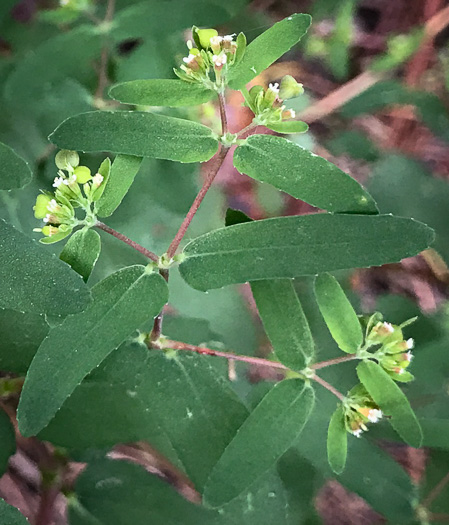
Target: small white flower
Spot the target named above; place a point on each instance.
(53, 206)
(274, 87)
(190, 59)
(410, 343)
(215, 41)
(57, 182)
(400, 371)
(408, 356)
(229, 38)
(357, 433)
(292, 113)
(374, 415)
(46, 218)
(388, 327)
(219, 60)
(97, 180)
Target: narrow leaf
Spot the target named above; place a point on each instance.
(161, 92)
(11, 516)
(288, 247)
(121, 303)
(268, 47)
(392, 401)
(14, 171)
(289, 126)
(305, 176)
(136, 133)
(284, 321)
(338, 313)
(82, 251)
(41, 282)
(123, 170)
(337, 442)
(269, 431)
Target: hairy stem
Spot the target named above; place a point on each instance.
(224, 120)
(127, 240)
(336, 361)
(328, 386)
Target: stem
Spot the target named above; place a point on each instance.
(127, 240)
(436, 491)
(329, 387)
(102, 70)
(178, 345)
(336, 361)
(157, 325)
(249, 127)
(219, 159)
(46, 506)
(224, 120)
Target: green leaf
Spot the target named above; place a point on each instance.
(136, 133)
(11, 516)
(22, 333)
(121, 303)
(82, 251)
(297, 171)
(284, 321)
(14, 171)
(268, 47)
(289, 126)
(392, 401)
(123, 170)
(337, 441)
(268, 432)
(8, 441)
(161, 92)
(236, 217)
(40, 281)
(435, 432)
(104, 170)
(288, 247)
(338, 313)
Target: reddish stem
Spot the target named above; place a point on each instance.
(336, 361)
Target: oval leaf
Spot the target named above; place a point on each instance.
(392, 401)
(41, 282)
(14, 171)
(289, 126)
(161, 92)
(123, 170)
(284, 321)
(337, 442)
(302, 174)
(288, 247)
(136, 133)
(121, 303)
(11, 516)
(268, 47)
(269, 431)
(338, 313)
(82, 251)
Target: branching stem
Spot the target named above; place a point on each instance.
(336, 361)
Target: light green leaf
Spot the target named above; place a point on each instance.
(289, 126)
(338, 313)
(14, 171)
(269, 431)
(22, 333)
(337, 442)
(392, 401)
(136, 133)
(297, 171)
(121, 303)
(11, 516)
(82, 251)
(8, 443)
(284, 321)
(288, 247)
(104, 170)
(123, 170)
(161, 92)
(40, 281)
(268, 47)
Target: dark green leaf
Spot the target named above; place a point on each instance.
(123, 171)
(284, 321)
(136, 133)
(14, 171)
(22, 333)
(288, 247)
(435, 432)
(392, 401)
(268, 47)
(161, 92)
(8, 443)
(289, 126)
(121, 303)
(82, 251)
(338, 313)
(236, 217)
(302, 174)
(265, 436)
(337, 441)
(40, 281)
(11, 516)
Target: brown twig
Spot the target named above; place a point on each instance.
(329, 387)
(224, 119)
(127, 240)
(46, 506)
(336, 361)
(104, 58)
(436, 491)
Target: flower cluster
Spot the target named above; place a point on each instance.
(209, 61)
(360, 409)
(267, 105)
(74, 188)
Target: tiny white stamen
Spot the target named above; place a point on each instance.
(274, 87)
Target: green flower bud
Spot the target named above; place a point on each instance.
(40, 208)
(82, 174)
(290, 88)
(67, 160)
(204, 36)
